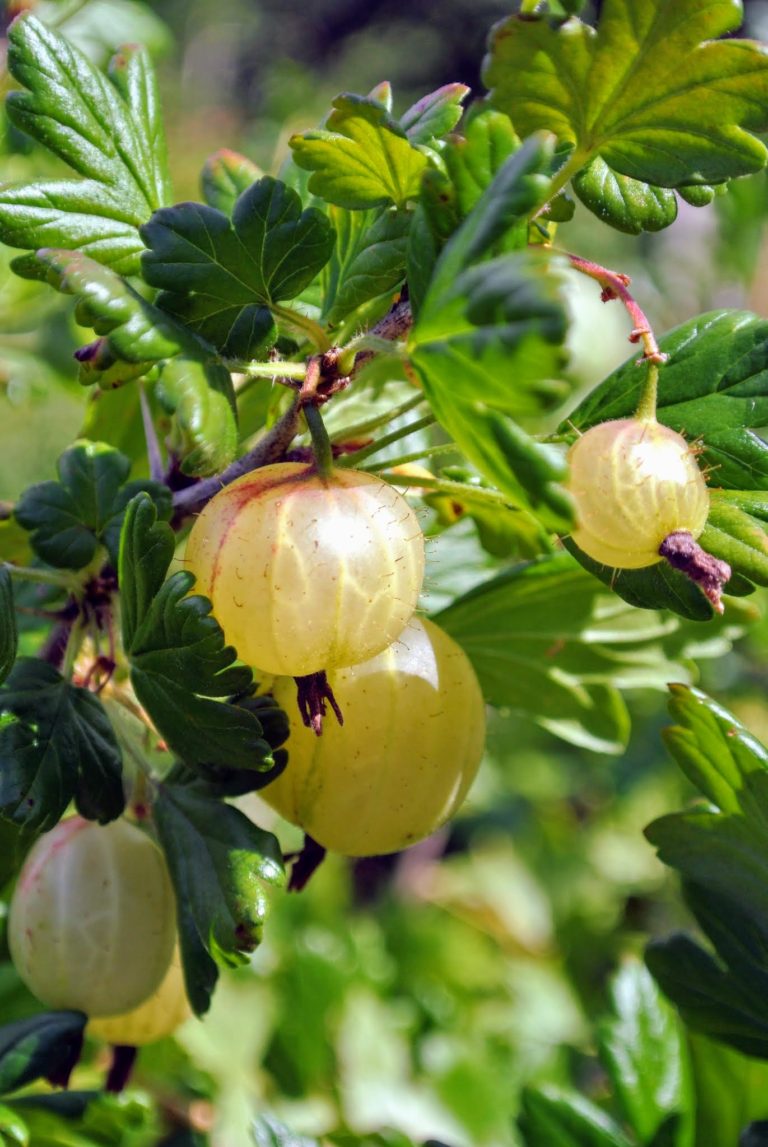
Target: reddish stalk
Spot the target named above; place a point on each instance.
(615, 286)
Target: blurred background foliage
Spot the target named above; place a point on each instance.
(419, 992)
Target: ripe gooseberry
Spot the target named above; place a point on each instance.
(634, 482)
(402, 763)
(306, 573)
(159, 1016)
(93, 917)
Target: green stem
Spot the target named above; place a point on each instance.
(321, 443)
(458, 490)
(416, 456)
(74, 641)
(561, 178)
(375, 421)
(646, 408)
(43, 577)
(387, 440)
(275, 370)
(313, 331)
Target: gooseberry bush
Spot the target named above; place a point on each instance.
(300, 395)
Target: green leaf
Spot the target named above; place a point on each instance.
(8, 635)
(471, 162)
(431, 118)
(108, 129)
(723, 859)
(553, 1118)
(714, 386)
(47, 1046)
(369, 259)
(718, 754)
(194, 387)
(13, 1130)
(56, 745)
(627, 204)
(70, 518)
(362, 158)
(630, 90)
(222, 866)
(547, 641)
(178, 657)
(483, 324)
(737, 537)
(655, 587)
(644, 1053)
(221, 275)
(226, 175)
(730, 1091)
(269, 1132)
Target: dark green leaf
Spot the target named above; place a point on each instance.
(222, 866)
(179, 660)
(195, 387)
(627, 204)
(15, 843)
(552, 1118)
(70, 518)
(630, 90)
(736, 536)
(546, 640)
(369, 260)
(47, 1046)
(432, 117)
(8, 635)
(220, 276)
(363, 158)
(56, 745)
(756, 1135)
(269, 1132)
(644, 1053)
(655, 587)
(108, 130)
(225, 176)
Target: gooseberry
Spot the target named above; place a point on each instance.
(306, 573)
(93, 918)
(402, 763)
(159, 1016)
(634, 482)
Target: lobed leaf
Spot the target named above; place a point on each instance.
(70, 518)
(220, 275)
(369, 259)
(629, 90)
(56, 745)
(108, 129)
(195, 387)
(178, 657)
(627, 204)
(432, 117)
(362, 158)
(222, 866)
(722, 855)
(225, 176)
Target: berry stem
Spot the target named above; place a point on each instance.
(321, 443)
(646, 407)
(615, 285)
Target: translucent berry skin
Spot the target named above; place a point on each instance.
(402, 763)
(634, 482)
(159, 1016)
(306, 574)
(93, 917)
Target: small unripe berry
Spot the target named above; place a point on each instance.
(634, 482)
